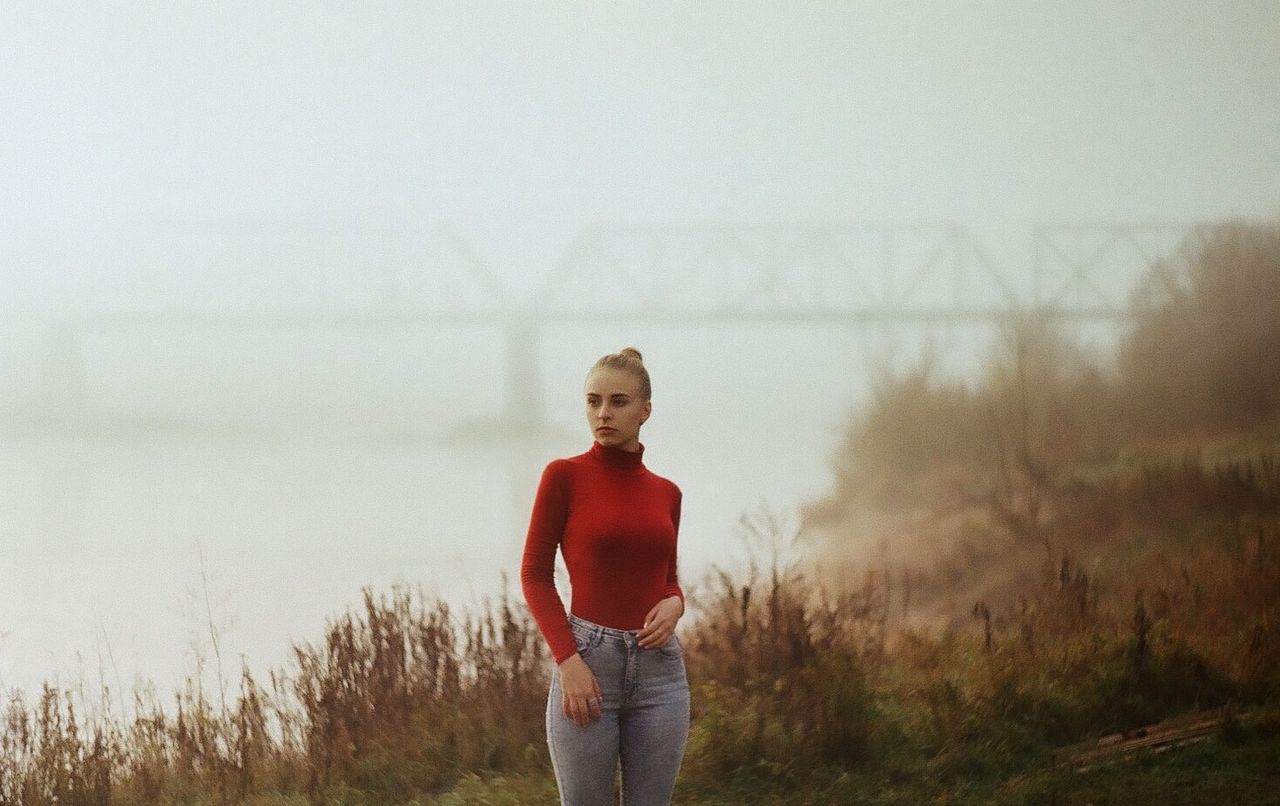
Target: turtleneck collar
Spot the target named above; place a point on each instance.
(617, 457)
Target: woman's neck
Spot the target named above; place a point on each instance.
(618, 456)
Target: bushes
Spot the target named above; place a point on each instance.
(1199, 359)
(1201, 355)
(792, 684)
(793, 681)
(782, 672)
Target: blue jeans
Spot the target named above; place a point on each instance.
(644, 722)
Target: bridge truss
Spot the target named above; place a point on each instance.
(885, 275)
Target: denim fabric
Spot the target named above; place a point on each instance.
(644, 722)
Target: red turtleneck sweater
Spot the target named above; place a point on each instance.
(615, 522)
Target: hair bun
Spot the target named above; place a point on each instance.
(628, 359)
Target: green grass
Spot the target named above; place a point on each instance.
(1242, 773)
(1210, 772)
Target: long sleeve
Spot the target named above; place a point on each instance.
(673, 582)
(537, 567)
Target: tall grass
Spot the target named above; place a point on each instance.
(401, 698)
(798, 685)
(1019, 583)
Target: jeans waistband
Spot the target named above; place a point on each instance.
(591, 625)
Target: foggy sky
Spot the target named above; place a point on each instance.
(138, 138)
(518, 123)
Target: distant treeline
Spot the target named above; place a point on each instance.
(1200, 359)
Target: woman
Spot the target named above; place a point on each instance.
(618, 688)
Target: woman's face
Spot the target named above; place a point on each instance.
(614, 408)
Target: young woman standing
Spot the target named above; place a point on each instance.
(618, 693)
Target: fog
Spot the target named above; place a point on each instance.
(299, 299)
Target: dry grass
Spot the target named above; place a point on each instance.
(793, 678)
(402, 698)
(962, 606)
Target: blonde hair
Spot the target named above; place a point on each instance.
(629, 359)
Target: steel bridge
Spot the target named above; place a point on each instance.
(860, 275)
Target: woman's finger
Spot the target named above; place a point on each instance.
(648, 640)
(575, 709)
(659, 638)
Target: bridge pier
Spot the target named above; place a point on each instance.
(525, 405)
(63, 396)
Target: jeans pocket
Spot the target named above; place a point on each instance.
(672, 648)
(585, 641)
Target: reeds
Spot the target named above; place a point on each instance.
(794, 681)
(400, 699)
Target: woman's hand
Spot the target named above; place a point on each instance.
(581, 690)
(660, 623)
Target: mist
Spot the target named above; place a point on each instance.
(270, 277)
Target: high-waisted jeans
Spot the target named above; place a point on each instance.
(644, 722)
